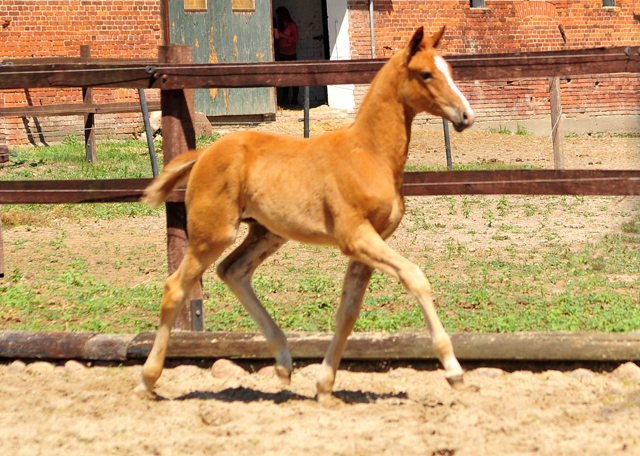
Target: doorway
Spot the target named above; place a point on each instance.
(313, 38)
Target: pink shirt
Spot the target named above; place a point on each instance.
(287, 46)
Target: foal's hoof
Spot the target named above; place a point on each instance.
(143, 391)
(144, 388)
(283, 374)
(456, 381)
(328, 400)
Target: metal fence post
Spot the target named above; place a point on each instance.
(89, 118)
(447, 144)
(148, 132)
(556, 122)
(305, 90)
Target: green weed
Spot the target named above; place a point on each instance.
(503, 130)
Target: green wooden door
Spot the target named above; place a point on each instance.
(226, 31)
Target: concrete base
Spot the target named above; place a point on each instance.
(583, 125)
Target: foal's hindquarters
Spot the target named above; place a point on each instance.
(342, 188)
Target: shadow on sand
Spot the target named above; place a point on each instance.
(248, 395)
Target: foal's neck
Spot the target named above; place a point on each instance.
(383, 124)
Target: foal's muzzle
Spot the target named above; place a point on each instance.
(462, 119)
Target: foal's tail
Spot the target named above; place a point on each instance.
(174, 174)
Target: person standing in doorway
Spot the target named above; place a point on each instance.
(287, 42)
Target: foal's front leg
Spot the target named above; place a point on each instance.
(355, 284)
(366, 245)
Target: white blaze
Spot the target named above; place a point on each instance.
(444, 69)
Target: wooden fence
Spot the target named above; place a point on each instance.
(88, 109)
(175, 75)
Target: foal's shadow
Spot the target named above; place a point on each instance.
(248, 395)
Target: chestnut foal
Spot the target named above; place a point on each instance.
(343, 188)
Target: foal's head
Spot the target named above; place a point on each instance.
(429, 86)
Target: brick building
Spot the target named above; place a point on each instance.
(597, 103)
(57, 28)
(133, 29)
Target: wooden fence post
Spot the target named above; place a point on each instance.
(89, 118)
(556, 122)
(4, 149)
(179, 136)
(1, 247)
(4, 157)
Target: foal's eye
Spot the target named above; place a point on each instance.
(426, 75)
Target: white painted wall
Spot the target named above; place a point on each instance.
(340, 96)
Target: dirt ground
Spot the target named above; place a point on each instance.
(477, 146)
(400, 412)
(79, 410)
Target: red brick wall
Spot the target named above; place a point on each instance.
(511, 26)
(57, 28)
(132, 29)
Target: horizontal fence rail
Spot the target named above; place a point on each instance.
(147, 74)
(523, 182)
(520, 182)
(77, 109)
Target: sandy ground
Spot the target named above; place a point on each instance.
(79, 410)
(59, 411)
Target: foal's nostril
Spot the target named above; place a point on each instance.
(468, 117)
(465, 119)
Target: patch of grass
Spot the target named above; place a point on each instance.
(522, 131)
(503, 130)
(116, 160)
(592, 288)
(81, 304)
(626, 135)
(202, 142)
(506, 286)
(632, 226)
(470, 167)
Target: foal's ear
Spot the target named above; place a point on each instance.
(418, 39)
(415, 41)
(436, 37)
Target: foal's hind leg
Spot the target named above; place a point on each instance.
(199, 256)
(355, 284)
(237, 270)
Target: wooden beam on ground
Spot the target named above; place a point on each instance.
(379, 346)
(64, 345)
(526, 346)
(499, 182)
(310, 73)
